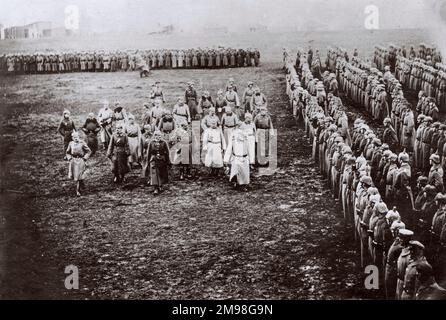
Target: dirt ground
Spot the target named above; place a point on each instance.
(283, 239)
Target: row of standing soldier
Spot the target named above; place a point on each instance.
(404, 128)
(388, 56)
(419, 71)
(418, 76)
(101, 61)
(360, 168)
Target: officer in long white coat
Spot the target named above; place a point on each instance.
(213, 147)
(249, 128)
(237, 155)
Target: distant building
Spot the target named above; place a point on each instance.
(2, 32)
(36, 30)
(163, 30)
(258, 28)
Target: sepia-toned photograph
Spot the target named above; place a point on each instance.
(222, 150)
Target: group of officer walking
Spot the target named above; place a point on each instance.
(399, 218)
(130, 60)
(229, 131)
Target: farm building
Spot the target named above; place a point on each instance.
(34, 30)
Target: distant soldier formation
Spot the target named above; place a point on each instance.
(390, 183)
(228, 134)
(417, 70)
(417, 130)
(129, 60)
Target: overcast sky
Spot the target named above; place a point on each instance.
(144, 15)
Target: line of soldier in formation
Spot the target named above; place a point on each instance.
(369, 177)
(131, 60)
(227, 129)
(422, 70)
(417, 75)
(389, 56)
(417, 131)
(361, 82)
(313, 59)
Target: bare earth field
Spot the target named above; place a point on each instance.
(283, 239)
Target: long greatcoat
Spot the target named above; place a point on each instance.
(237, 154)
(118, 152)
(157, 160)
